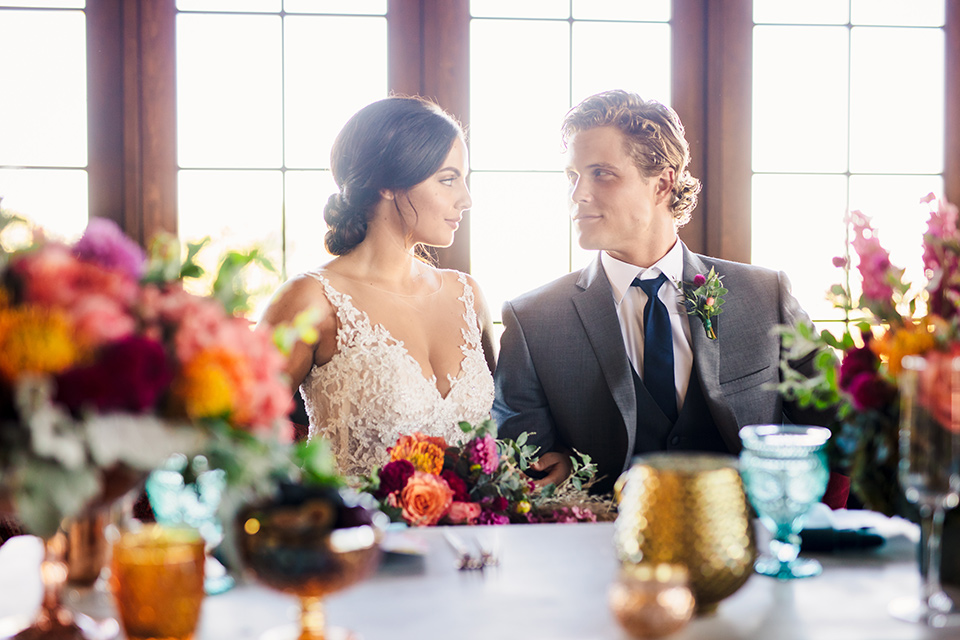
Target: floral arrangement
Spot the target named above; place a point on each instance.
(704, 299)
(480, 480)
(107, 365)
(857, 376)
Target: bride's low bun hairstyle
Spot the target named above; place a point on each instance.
(393, 144)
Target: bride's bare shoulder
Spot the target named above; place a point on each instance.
(299, 293)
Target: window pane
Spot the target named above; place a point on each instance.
(229, 90)
(519, 233)
(258, 6)
(800, 101)
(238, 210)
(525, 9)
(653, 10)
(801, 11)
(55, 199)
(898, 216)
(916, 13)
(596, 44)
(43, 111)
(307, 192)
(897, 99)
(798, 228)
(519, 92)
(320, 96)
(45, 4)
(366, 7)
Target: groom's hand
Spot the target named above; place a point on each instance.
(555, 465)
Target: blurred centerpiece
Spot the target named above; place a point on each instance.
(861, 370)
(107, 367)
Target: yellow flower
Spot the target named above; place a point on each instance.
(908, 340)
(523, 507)
(425, 455)
(36, 340)
(210, 383)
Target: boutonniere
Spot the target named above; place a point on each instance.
(704, 298)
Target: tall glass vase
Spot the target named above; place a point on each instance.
(929, 472)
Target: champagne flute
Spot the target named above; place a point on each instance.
(784, 473)
(929, 472)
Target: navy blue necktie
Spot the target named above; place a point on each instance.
(658, 370)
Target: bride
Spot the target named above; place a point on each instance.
(403, 346)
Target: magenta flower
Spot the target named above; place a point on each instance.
(105, 244)
(941, 260)
(839, 262)
(875, 267)
(483, 452)
(699, 280)
(870, 391)
(490, 517)
(456, 483)
(855, 362)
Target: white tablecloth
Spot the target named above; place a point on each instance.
(551, 584)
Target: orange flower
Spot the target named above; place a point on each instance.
(911, 339)
(35, 340)
(423, 451)
(212, 384)
(425, 499)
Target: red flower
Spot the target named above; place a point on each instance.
(870, 391)
(130, 375)
(855, 362)
(460, 490)
(394, 476)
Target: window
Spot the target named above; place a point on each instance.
(529, 63)
(856, 122)
(262, 91)
(43, 113)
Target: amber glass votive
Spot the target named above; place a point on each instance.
(157, 582)
(651, 600)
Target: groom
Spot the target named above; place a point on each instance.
(606, 360)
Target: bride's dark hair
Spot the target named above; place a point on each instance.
(395, 144)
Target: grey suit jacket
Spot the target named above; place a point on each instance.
(564, 377)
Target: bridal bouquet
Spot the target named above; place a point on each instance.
(477, 481)
(108, 366)
(858, 373)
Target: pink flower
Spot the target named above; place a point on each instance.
(103, 243)
(99, 319)
(856, 361)
(870, 391)
(463, 513)
(839, 262)
(699, 280)
(489, 517)
(875, 267)
(483, 452)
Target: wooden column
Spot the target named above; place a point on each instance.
(951, 166)
(131, 49)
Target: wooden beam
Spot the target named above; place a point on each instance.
(951, 165)
(728, 111)
(689, 55)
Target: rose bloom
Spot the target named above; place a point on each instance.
(393, 477)
(935, 387)
(463, 513)
(425, 499)
(456, 483)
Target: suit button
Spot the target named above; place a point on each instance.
(675, 440)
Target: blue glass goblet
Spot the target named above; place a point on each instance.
(784, 473)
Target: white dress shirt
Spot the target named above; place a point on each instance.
(631, 300)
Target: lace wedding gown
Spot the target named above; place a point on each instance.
(372, 391)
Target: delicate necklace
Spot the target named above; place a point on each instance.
(394, 293)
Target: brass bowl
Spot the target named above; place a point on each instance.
(650, 601)
(308, 542)
(688, 509)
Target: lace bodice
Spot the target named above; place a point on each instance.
(372, 391)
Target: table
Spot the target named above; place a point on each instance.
(552, 584)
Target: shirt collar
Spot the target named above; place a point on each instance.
(621, 274)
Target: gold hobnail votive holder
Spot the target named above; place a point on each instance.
(688, 509)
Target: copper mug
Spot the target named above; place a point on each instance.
(688, 509)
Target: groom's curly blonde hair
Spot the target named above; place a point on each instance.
(654, 137)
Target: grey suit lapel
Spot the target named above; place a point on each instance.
(599, 317)
(706, 358)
